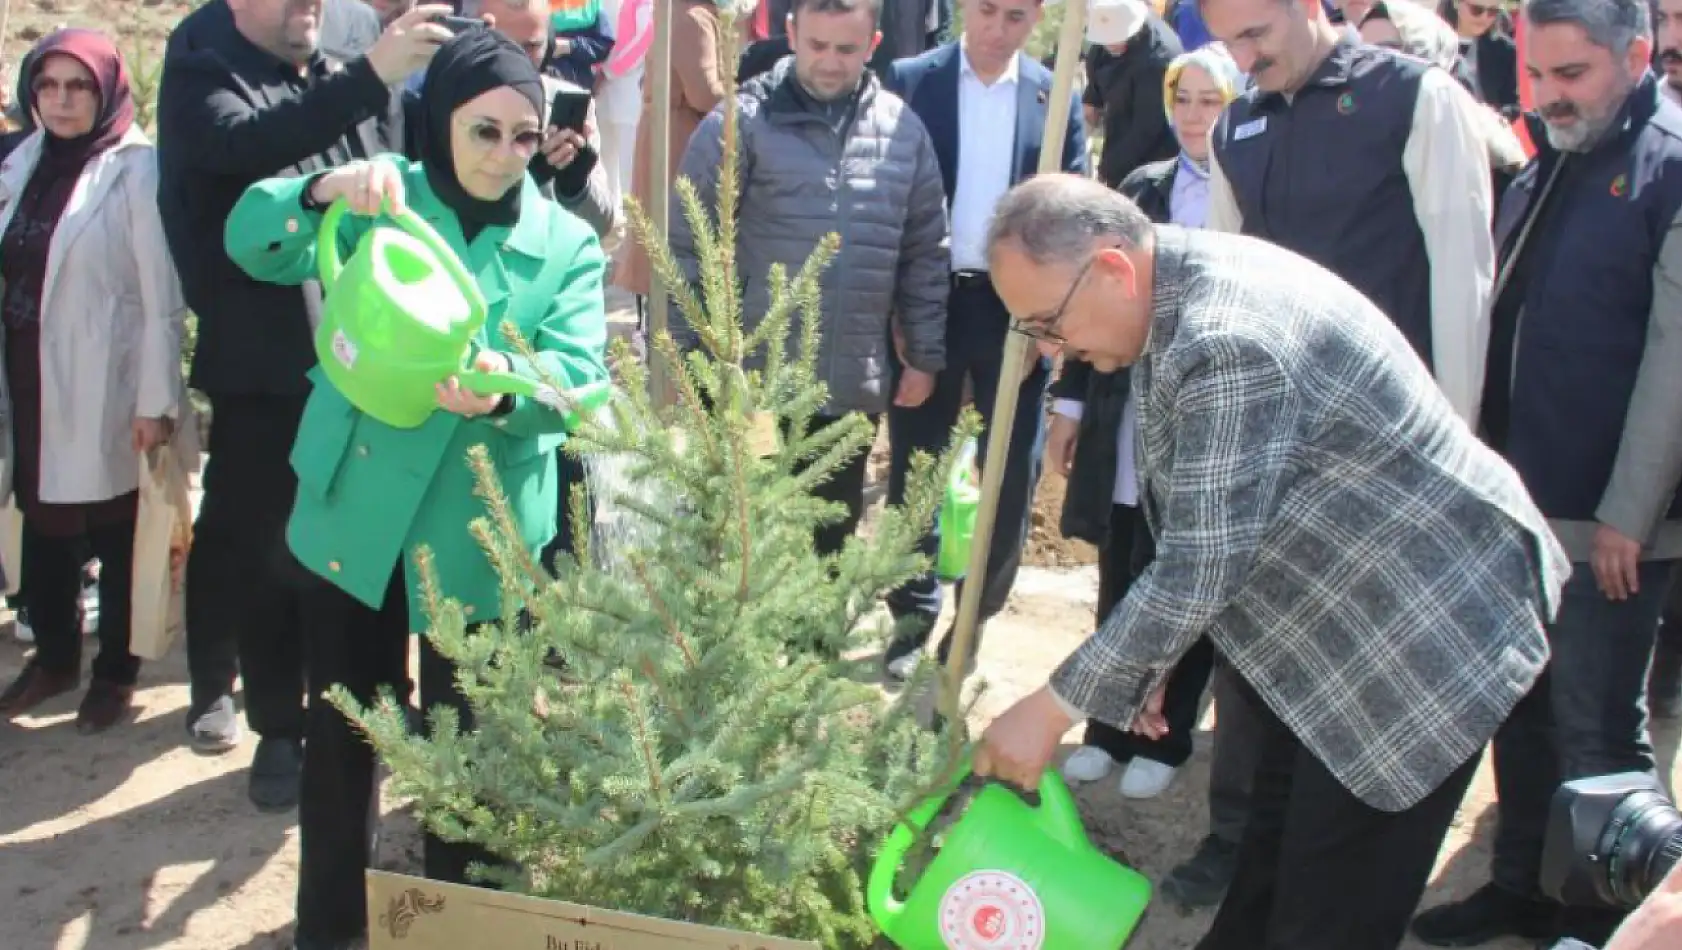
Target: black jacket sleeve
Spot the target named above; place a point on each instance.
(204, 114)
(1071, 383)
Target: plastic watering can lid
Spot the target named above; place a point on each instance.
(424, 247)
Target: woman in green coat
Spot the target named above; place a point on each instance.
(370, 495)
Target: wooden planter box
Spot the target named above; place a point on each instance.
(412, 913)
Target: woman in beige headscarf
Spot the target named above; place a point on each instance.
(1419, 31)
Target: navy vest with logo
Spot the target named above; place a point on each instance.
(1322, 175)
(1583, 327)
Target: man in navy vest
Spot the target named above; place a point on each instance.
(1367, 162)
(971, 95)
(1584, 398)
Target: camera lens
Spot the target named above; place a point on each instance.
(1641, 843)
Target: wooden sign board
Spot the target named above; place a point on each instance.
(411, 913)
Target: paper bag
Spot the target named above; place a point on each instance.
(163, 532)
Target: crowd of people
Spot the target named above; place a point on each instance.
(1367, 384)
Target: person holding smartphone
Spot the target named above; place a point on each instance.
(566, 168)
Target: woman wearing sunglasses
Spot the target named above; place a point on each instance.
(1486, 45)
(370, 495)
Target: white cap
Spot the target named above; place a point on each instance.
(1115, 21)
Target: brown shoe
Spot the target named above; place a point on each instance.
(33, 687)
(105, 705)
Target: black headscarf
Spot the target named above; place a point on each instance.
(464, 68)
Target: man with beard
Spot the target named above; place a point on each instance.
(248, 94)
(1584, 398)
(825, 148)
(1667, 35)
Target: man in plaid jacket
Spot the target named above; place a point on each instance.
(1378, 578)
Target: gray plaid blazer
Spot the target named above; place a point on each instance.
(1374, 571)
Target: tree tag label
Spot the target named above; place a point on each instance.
(762, 434)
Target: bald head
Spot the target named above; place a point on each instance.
(1058, 219)
(1071, 260)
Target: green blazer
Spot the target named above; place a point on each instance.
(369, 494)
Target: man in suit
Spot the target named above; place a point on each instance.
(967, 93)
(1377, 577)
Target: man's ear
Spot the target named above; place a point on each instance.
(875, 41)
(1114, 262)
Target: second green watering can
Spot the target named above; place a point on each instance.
(402, 316)
(1008, 876)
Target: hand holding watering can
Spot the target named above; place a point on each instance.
(373, 187)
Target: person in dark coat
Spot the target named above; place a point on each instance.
(1131, 51)
(1488, 49)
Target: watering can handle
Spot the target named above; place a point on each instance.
(330, 265)
(1058, 816)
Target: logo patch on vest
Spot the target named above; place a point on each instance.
(1250, 129)
(1346, 104)
(1620, 186)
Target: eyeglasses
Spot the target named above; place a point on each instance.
(491, 136)
(1482, 9)
(48, 86)
(1043, 329)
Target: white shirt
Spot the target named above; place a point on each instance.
(986, 143)
(1126, 491)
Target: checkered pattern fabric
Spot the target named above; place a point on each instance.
(1371, 568)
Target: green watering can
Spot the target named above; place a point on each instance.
(1008, 876)
(401, 316)
(957, 516)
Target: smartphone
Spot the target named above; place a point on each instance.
(458, 24)
(570, 109)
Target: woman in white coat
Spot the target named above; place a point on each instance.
(90, 327)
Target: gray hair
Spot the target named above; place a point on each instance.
(1056, 219)
(1610, 24)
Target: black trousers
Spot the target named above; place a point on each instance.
(1180, 702)
(1318, 868)
(243, 587)
(52, 571)
(846, 486)
(365, 651)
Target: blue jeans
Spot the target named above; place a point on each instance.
(1586, 715)
(975, 348)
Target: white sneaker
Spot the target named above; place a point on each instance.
(1146, 778)
(1087, 764)
(902, 667)
(21, 630)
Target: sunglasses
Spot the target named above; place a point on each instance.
(490, 136)
(1481, 9)
(1043, 329)
(48, 86)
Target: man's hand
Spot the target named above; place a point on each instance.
(151, 433)
(1657, 923)
(915, 386)
(561, 146)
(1060, 444)
(1617, 563)
(1019, 744)
(368, 187)
(1151, 723)
(409, 43)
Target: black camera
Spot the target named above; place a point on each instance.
(1611, 840)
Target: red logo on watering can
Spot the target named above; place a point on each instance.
(991, 910)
